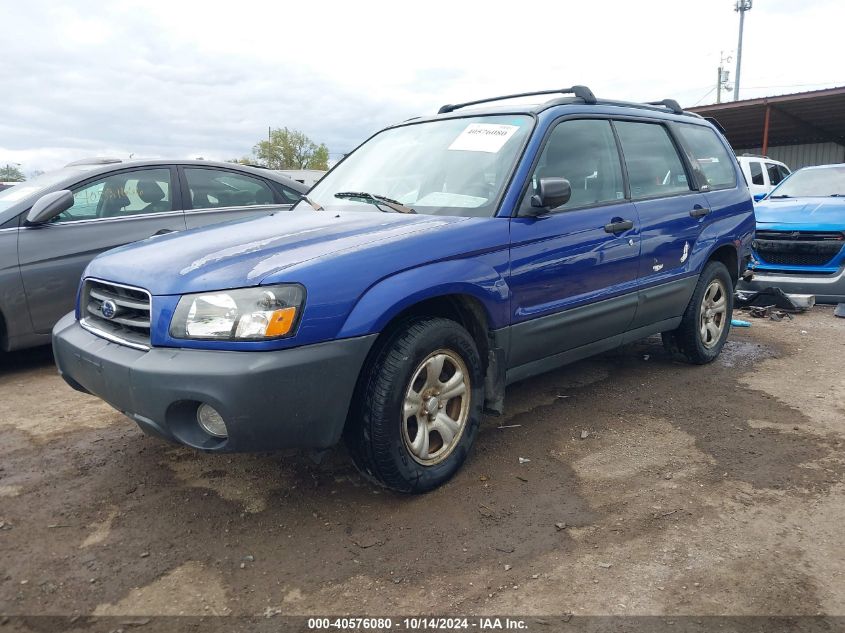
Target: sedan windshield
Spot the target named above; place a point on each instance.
(829, 181)
(444, 167)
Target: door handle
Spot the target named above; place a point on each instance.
(699, 212)
(619, 226)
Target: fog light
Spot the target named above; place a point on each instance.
(211, 421)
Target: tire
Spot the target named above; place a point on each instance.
(704, 329)
(389, 447)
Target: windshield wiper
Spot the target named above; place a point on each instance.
(376, 200)
(782, 195)
(837, 195)
(314, 205)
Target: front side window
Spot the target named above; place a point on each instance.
(654, 167)
(756, 173)
(213, 188)
(583, 152)
(714, 162)
(775, 175)
(443, 167)
(813, 182)
(122, 194)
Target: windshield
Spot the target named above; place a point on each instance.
(445, 167)
(27, 188)
(829, 181)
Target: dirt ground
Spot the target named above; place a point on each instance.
(653, 488)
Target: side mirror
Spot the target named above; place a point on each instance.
(551, 193)
(49, 206)
(759, 196)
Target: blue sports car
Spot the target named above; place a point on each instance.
(799, 245)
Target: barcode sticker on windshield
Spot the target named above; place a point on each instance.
(484, 137)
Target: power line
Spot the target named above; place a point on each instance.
(704, 96)
(818, 83)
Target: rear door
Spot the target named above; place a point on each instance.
(573, 271)
(215, 194)
(108, 211)
(775, 173)
(671, 218)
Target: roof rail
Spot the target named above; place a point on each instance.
(582, 92)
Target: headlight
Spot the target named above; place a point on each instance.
(247, 314)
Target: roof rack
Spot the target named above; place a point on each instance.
(587, 96)
(673, 105)
(581, 92)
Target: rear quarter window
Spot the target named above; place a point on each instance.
(710, 158)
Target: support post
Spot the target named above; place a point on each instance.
(766, 129)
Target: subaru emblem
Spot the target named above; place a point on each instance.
(108, 309)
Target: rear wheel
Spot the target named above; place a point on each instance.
(418, 407)
(707, 320)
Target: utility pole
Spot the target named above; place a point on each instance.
(719, 86)
(741, 6)
(722, 82)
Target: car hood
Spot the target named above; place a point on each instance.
(813, 214)
(241, 254)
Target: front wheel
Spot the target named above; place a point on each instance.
(707, 320)
(418, 406)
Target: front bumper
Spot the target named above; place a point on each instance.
(826, 288)
(292, 398)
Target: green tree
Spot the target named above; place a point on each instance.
(11, 173)
(291, 149)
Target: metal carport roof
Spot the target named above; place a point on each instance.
(817, 116)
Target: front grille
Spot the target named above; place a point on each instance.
(798, 248)
(116, 312)
(802, 236)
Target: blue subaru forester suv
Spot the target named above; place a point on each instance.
(442, 260)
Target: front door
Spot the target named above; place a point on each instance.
(574, 271)
(107, 212)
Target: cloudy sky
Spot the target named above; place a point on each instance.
(183, 78)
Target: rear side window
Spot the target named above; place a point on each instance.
(212, 188)
(775, 173)
(756, 173)
(709, 155)
(654, 167)
(584, 152)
